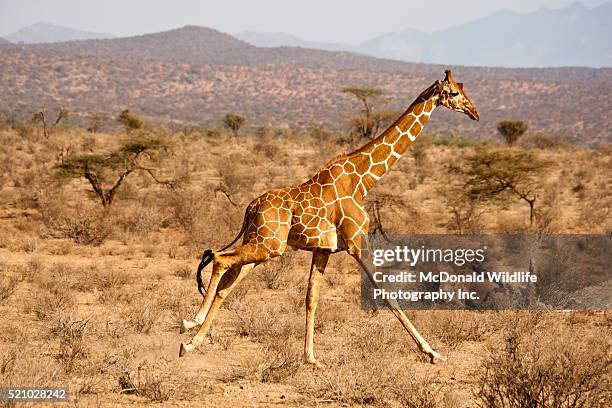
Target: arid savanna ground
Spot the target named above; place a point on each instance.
(91, 298)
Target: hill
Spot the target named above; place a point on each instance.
(570, 102)
(571, 36)
(50, 33)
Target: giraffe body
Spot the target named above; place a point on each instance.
(324, 215)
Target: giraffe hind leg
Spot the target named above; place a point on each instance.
(223, 281)
(227, 284)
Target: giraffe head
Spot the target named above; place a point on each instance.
(452, 96)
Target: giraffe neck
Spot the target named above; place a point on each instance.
(375, 158)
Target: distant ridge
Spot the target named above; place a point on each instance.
(570, 36)
(196, 44)
(289, 40)
(50, 33)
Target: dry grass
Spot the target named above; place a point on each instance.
(103, 320)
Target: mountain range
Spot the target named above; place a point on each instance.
(51, 33)
(571, 36)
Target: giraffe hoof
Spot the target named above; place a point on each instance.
(185, 348)
(436, 358)
(314, 362)
(185, 326)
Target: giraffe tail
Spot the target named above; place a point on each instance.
(208, 256)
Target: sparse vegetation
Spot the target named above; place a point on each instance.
(489, 174)
(130, 120)
(106, 172)
(104, 288)
(512, 130)
(234, 122)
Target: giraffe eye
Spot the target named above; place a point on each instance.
(454, 93)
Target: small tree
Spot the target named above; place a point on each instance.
(42, 118)
(367, 123)
(62, 115)
(512, 130)
(130, 120)
(106, 172)
(234, 122)
(491, 174)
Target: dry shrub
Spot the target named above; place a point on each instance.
(267, 147)
(274, 272)
(360, 379)
(455, 327)
(537, 370)
(511, 224)
(351, 383)
(548, 215)
(329, 317)
(151, 380)
(179, 302)
(224, 340)
(141, 221)
(32, 269)
(543, 141)
(594, 213)
(85, 224)
(238, 295)
(142, 314)
(8, 284)
(186, 207)
(254, 320)
(55, 297)
(411, 392)
(279, 362)
(70, 333)
(184, 272)
(378, 335)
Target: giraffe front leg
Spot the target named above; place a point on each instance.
(357, 252)
(319, 262)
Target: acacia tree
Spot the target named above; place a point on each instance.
(369, 122)
(512, 130)
(234, 122)
(491, 174)
(106, 172)
(130, 120)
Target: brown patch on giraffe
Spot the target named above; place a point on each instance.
(378, 169)
(336, 171)
(429, 105)
(419, 109)
(416, 128)
(381, 153)
(315, 190)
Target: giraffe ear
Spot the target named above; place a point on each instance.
(460, 85)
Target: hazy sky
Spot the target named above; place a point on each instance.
(319, 20)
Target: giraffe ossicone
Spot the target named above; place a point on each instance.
(324, 215)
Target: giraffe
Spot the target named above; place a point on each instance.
(324, 215)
